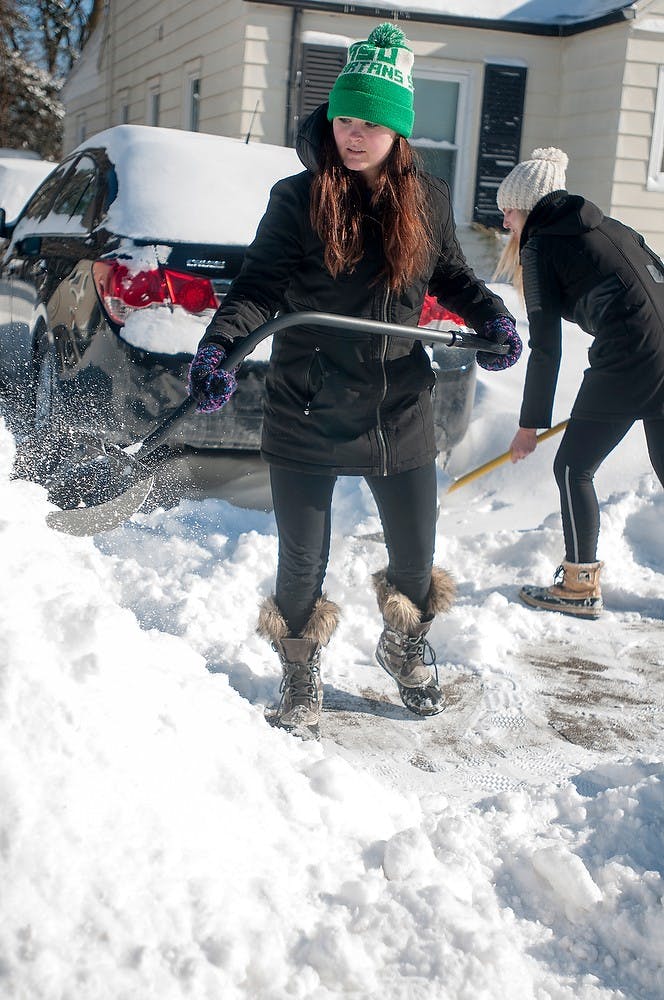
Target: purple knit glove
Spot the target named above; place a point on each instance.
(501, 330)
(209, 384)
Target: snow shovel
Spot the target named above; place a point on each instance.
(105, 485)
(501, 459)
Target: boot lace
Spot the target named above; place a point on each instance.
(300, 681)
(417, 647)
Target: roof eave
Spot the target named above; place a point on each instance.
(517, 27)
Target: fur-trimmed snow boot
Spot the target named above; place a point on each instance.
(301, 685)
(403, 650)
(575, 591)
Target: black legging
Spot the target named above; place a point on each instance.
(585, 445)
(407, 505)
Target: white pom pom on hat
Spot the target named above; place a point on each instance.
(532, 179)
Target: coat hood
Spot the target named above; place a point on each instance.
(562, 214)
(310, 137)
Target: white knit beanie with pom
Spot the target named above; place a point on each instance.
(531, 179)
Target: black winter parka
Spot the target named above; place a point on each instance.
(339, 402)
(594, 271)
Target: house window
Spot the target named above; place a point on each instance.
(152, 110)
(122, 104)
(656, 164)
(437, 123)
(154, 107)
(194, 104)
(81, 129)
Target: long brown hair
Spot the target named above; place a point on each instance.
(398, 200)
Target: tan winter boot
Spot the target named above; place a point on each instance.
(575, 591)
(301, 686)
(402, 646)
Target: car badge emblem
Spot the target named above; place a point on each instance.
(210, 265)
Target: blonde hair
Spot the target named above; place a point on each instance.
(509, 267)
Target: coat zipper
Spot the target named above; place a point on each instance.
(380, 434)
(307, 405)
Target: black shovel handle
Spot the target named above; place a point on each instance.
(449, 338)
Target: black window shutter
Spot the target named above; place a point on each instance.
(500, 136)
(320, 66)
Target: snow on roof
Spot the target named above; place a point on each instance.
(545, 12)
(190, 186)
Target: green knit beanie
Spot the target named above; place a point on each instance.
(376, 84)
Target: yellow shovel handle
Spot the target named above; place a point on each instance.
(501, 459)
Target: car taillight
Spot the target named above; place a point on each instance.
(123, 291)
(193, 293)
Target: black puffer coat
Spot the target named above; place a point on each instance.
(592, 270)
(339, 402)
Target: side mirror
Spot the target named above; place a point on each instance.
(6, 228)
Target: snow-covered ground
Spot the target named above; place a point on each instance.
(159, 840)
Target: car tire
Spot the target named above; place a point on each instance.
(38, 453)
(49, 411)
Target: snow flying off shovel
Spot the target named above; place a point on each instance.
(104, 484)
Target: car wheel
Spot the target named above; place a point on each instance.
(49, 415)
(38, 453)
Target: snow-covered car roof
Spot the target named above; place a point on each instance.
(177, 186)
(19, 176)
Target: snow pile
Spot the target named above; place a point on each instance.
(137, 792)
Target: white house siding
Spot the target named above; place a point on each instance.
(157, 41)
(591, 68)
(85, 93)
(631, 199)
(162, 43)
(265, 72)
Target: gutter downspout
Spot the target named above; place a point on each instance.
(110, 42)
(296, 21)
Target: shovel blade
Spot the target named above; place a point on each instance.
(103, 516)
